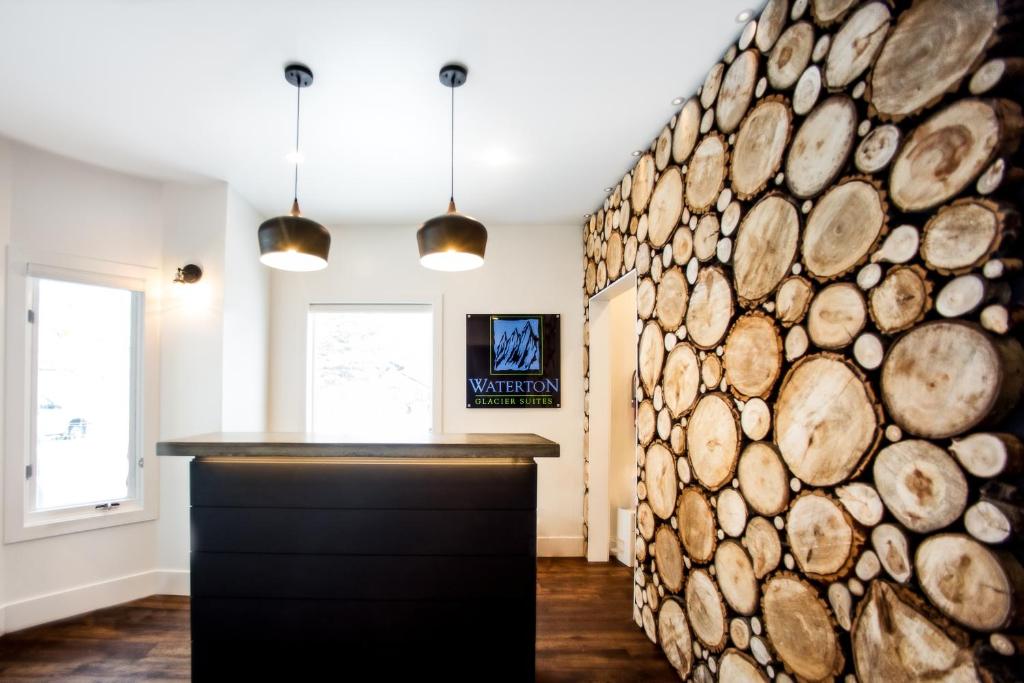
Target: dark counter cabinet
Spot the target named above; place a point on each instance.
(363, 567)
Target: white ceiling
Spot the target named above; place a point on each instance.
(559, 93)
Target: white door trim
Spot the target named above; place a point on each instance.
(598, 514)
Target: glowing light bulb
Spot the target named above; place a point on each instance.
(451, 261)
(293, 260)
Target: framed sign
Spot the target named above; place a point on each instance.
(513, 361)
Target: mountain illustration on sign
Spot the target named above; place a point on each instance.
(516, 345)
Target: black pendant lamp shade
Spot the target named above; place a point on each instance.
(292, 242)
(452, 241)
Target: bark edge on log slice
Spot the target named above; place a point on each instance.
(763, 479)
(696, 524)
(668, 558)
(923, 59)
(893, 640)
(761, 540)
(735, 574)
(760, 145)
(739, 666)
(737, 90)
(821, 146)
(969, 583)
(710, 309)
(843, 227)
(791, 55)
(674, 636)
(800, 628)
(766, 244)
(947, 151)
(962, 235)
(660, 477)
(901, 300)
(945, 377)
(837, 315)
(753, 355)
(705, 174)
(822, 536)
(706, 610)
(825, 447)
(666, 206)
(652, 356)
(713, 440)
(681, 382)
(920, 484)
(643, 184)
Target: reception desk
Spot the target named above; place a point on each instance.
(317, 557)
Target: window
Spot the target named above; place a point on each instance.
(82, 370)
(84, 384)
(371, 369)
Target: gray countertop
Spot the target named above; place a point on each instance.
(334, 445)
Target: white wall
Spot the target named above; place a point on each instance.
(529, 269)
(215, 341)
(213, 354)
(246, 347)
(58, 205)
(6, 165)
(191, 337)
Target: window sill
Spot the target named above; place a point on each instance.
(38, 525)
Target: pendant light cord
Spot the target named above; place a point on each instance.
(452, 197)
(298, 102)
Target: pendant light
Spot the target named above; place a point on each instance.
(292, 242)
(452, 241)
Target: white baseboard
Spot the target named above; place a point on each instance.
(41, 609)
(560, 546)
(173, 582)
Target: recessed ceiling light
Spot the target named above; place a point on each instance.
(678, 100)
(295, 157)
(586, 215)
(637, 152)
(744, 15)
(607, 189)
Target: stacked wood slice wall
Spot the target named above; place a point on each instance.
(829, 435)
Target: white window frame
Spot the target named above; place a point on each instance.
(20, 522)
(437, 370)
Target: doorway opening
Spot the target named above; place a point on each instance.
(613, 466)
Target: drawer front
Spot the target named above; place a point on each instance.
(461, 485)
(358, 624)
(364, 532)
(489, 661)
(358, 577)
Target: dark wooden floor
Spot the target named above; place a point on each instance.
(585, 633)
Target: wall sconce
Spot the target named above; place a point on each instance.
(188, 274)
